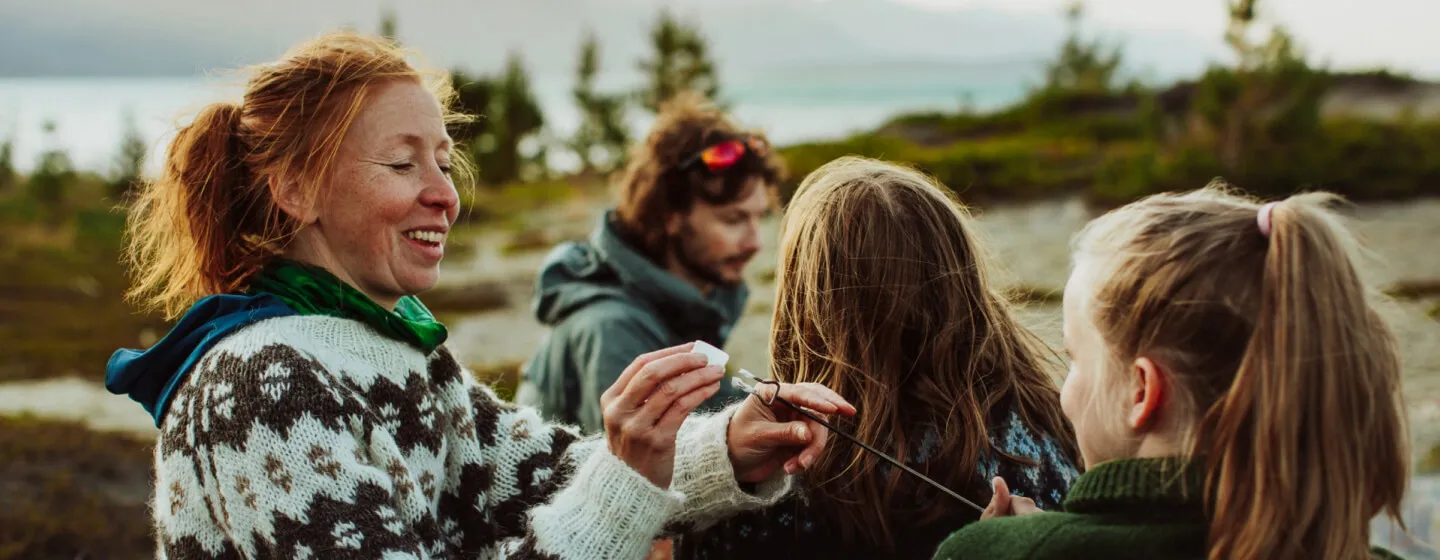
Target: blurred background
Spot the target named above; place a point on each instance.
(1039, 113)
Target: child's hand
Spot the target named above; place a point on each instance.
(1003, 504)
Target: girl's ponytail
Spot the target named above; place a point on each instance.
(1308, 443)
(1287, 378)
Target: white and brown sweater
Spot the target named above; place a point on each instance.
(317, 437)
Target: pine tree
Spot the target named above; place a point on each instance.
(129, 162)
(53, 173)
(680, 61)
(389, 25)
(602, 117)
(1083, 66)
(7, 163)
(509, 119)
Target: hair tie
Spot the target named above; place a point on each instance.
(1263, 219)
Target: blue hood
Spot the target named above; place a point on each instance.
(151, 376)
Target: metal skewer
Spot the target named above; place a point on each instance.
(748, 383)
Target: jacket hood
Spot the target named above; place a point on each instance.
(151, 376)
(575, 275)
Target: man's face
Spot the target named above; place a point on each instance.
(713, 243)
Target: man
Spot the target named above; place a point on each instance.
(662, 268)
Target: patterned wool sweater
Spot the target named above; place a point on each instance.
(313, 436)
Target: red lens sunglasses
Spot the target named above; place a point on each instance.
(724, 155)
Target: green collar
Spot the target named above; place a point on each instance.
(311, 290)
(1127, 484)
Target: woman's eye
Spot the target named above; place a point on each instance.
(445, 168)
(402, 167)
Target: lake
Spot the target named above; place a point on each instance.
(90, 113)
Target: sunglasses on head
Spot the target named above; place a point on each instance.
(718, 157)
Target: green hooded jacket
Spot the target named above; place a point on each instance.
(606, 304)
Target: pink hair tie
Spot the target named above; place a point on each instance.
(1263, 218)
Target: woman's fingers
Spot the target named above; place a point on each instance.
(773, 435)
(816, 397)
(674, 416)
(670, 393)
(819, 437)
(657, 380)
(640, 362)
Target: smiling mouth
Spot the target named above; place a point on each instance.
(426, 237)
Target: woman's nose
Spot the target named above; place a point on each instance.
(439, 192)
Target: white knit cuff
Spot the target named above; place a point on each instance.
(608, 510)
(704, 474)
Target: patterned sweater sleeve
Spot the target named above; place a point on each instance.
(584, 502)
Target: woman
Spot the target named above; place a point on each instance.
(1235, 392)
(306, 403)
(882, 294)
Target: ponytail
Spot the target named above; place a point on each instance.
(1308, 443)
(1287, 378)
(192, 231)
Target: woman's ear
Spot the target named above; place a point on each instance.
(1150, 391)
(291, 200)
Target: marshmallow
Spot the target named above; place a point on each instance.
(715, 356)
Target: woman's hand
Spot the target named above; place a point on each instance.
(763, 438)
(644, 408)
(1003, 504)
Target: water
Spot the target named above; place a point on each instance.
(90, 113)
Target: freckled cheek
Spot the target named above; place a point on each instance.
(380, 228)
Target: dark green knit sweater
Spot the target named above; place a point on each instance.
(1132, 508)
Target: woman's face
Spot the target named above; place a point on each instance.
(381, 222)
(1097, 418)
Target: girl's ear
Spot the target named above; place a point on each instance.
(1150, 389)
(288, 196)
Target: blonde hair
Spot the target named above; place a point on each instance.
(209, 223)
(1286, 374)
(883, 296)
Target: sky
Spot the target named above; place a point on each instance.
(63, 37)
(1347, 33)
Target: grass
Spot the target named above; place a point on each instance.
(1114, 150)
(510, 204)
(475, 297)
(1430, 462)
(72, 493)
(61, 306)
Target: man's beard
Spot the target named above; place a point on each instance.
(710, 273)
